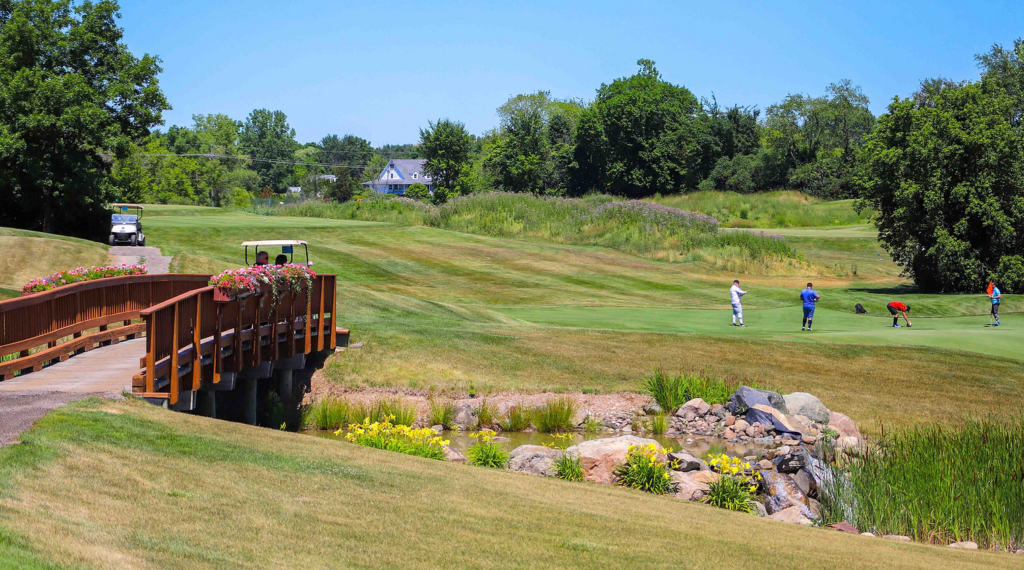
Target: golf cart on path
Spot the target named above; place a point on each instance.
(125, 226)
(287, 249)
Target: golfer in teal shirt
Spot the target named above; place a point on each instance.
(996, 295)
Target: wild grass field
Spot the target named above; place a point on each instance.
(101, 484)
(449, 310)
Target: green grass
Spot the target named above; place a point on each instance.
(937, 483)
(779, 209)
(102, 484)
(555, 415)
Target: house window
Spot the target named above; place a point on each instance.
(415, 175)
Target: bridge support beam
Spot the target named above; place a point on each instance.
(206, 403)
(283, 378)
(248, 386)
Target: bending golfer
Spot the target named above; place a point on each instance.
(809, 297)
(995, 294)
(737, 307)
(895, 308)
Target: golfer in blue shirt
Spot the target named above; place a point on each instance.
(809, 297)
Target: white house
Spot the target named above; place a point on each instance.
(399, 175)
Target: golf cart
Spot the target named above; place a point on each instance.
(287, 249)
(125, 226)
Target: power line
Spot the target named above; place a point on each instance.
(252, 158)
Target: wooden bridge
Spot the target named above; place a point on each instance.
(194, 345)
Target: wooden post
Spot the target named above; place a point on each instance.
(174, 359)
(150, 349)
(307, 342)
(218, 360)
(197, 337)
(320, 320)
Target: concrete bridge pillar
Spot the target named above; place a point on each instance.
(283, 377)
(249, 400)
(206, 403)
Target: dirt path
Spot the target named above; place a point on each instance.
(105, 371)
(155, 262)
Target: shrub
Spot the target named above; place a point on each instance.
(418, 192)
(645, 470)
(397, 438)
(442, 413)
(555, 415)
(517, 419)
(735, 489)
(486, 414)
(329, 413)
(569, 468)
(486, 453)
(937, 483)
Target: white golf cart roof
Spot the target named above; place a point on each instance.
(127, 206)
(273, 242)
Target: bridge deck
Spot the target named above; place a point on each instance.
(102, 372)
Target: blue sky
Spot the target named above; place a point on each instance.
(381, 70)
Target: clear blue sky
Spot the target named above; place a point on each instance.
(381, 70)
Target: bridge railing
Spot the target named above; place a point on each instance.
(52, 325)
(193, 339)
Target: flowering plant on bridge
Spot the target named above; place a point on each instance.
(291, 277)
(400, 438)
(79, 274)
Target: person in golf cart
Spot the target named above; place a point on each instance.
(262, 258)
(895, 308)
(287, 255)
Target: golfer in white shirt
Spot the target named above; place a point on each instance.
(737, 307)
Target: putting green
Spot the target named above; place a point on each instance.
(970, 333)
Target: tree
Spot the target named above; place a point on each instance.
(350, 150)
(343, 187)
(267, 135)
(71, 96)
(944, 172)
(446, 145)
(650, 132)
(520, 158)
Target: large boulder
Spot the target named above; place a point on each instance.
(688, 488)
(600, 457)
(683, 461)
(791, 515)
(746, 397)
(464, 417)
(804, 404)
(849, 435)
(534, 459)
(453, 455)
(697, 405)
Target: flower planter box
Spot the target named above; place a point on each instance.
(221, 295)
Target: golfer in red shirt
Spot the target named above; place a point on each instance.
(895, 308)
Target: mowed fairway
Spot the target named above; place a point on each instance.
(128, 485)
(452, 311)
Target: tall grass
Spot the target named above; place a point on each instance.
(555, 415)
(337, 413)
(780, 209)
(937, 483)
(373, 208)
(516, 419)
(442, 412)
(328, 413)
(672, 391)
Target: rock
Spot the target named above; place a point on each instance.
(805, 482)
(897, 537)
(808, 405)
(809, 439)
(356, 345)
(791, 515)
(437, 428)
(843, 425)
(464, 417)
(706, 477)
(870, 534)
(847, 442)
(728, 433)
(790, 463)
(765, 465)
(730, 420)
(600, 457)
(453, 455)
(844, 527)
(746, 397)
(652, 409)
(759, 509)
(685, 462)
(579, 417)
(716, 407)
(966, 545)
(790, 441)
(783, 451)
(534, 459)
(815, 508)
(687, 488)
(740, 425)
(698, 405)
(751, 431)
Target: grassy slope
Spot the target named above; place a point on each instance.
(33, 254)
(780, 209)
(102, 484)
(444, 309)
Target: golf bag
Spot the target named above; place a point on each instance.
(860, 309)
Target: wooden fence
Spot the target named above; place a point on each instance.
(52, 325)
(192, 340)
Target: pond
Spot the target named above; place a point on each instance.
(698, 446)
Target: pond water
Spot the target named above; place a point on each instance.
(698, 446)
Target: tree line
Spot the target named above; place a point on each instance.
(943, 168)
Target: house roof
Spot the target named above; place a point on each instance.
(404, 167)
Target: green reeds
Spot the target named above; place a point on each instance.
(328, 413)
(555, 415)
(442, 412)
(671, 392)
(516, 419)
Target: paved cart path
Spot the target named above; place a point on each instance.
(150, 256)
(103, 371)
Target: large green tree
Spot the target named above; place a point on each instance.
(945, 172)
(269, 140)
(446, 145)
(71, 96)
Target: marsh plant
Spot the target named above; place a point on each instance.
(327, 413)
(936, 483)
(442, 412)
(658, 424)
(486, 452)
(486, 414)
(736, 487)
(516, 419)
(672, 391)
(394, 409)
(646, 469)
(555, 415)
(592, 424)
(396, 437)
